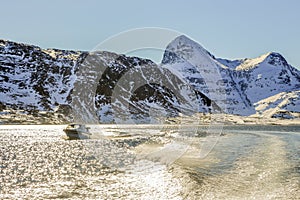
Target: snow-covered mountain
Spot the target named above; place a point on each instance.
(35, 78)
(131, 89)
(116, 87)
(266, 76)
(282, 105)
(200, 69)
(234, 85)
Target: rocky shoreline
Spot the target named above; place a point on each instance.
(23, 117)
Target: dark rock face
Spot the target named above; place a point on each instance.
(35, 78)
(276, 59)
(128, 88)
(2, 106)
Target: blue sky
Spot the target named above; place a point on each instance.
(227, 28)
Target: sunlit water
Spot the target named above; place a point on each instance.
(254, 162)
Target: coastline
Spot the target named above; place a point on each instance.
(21, 117)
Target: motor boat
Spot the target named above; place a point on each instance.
(77, 131)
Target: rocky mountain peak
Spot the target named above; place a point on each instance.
(183, 48)
(275, 59)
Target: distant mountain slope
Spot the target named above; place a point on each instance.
(282, 105)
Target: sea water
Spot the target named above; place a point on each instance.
(247, 162)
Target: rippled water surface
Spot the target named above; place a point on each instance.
(248, 162)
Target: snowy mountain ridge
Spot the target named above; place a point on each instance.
(235, 85)
(33, 78)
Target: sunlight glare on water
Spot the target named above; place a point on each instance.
(247, 163)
